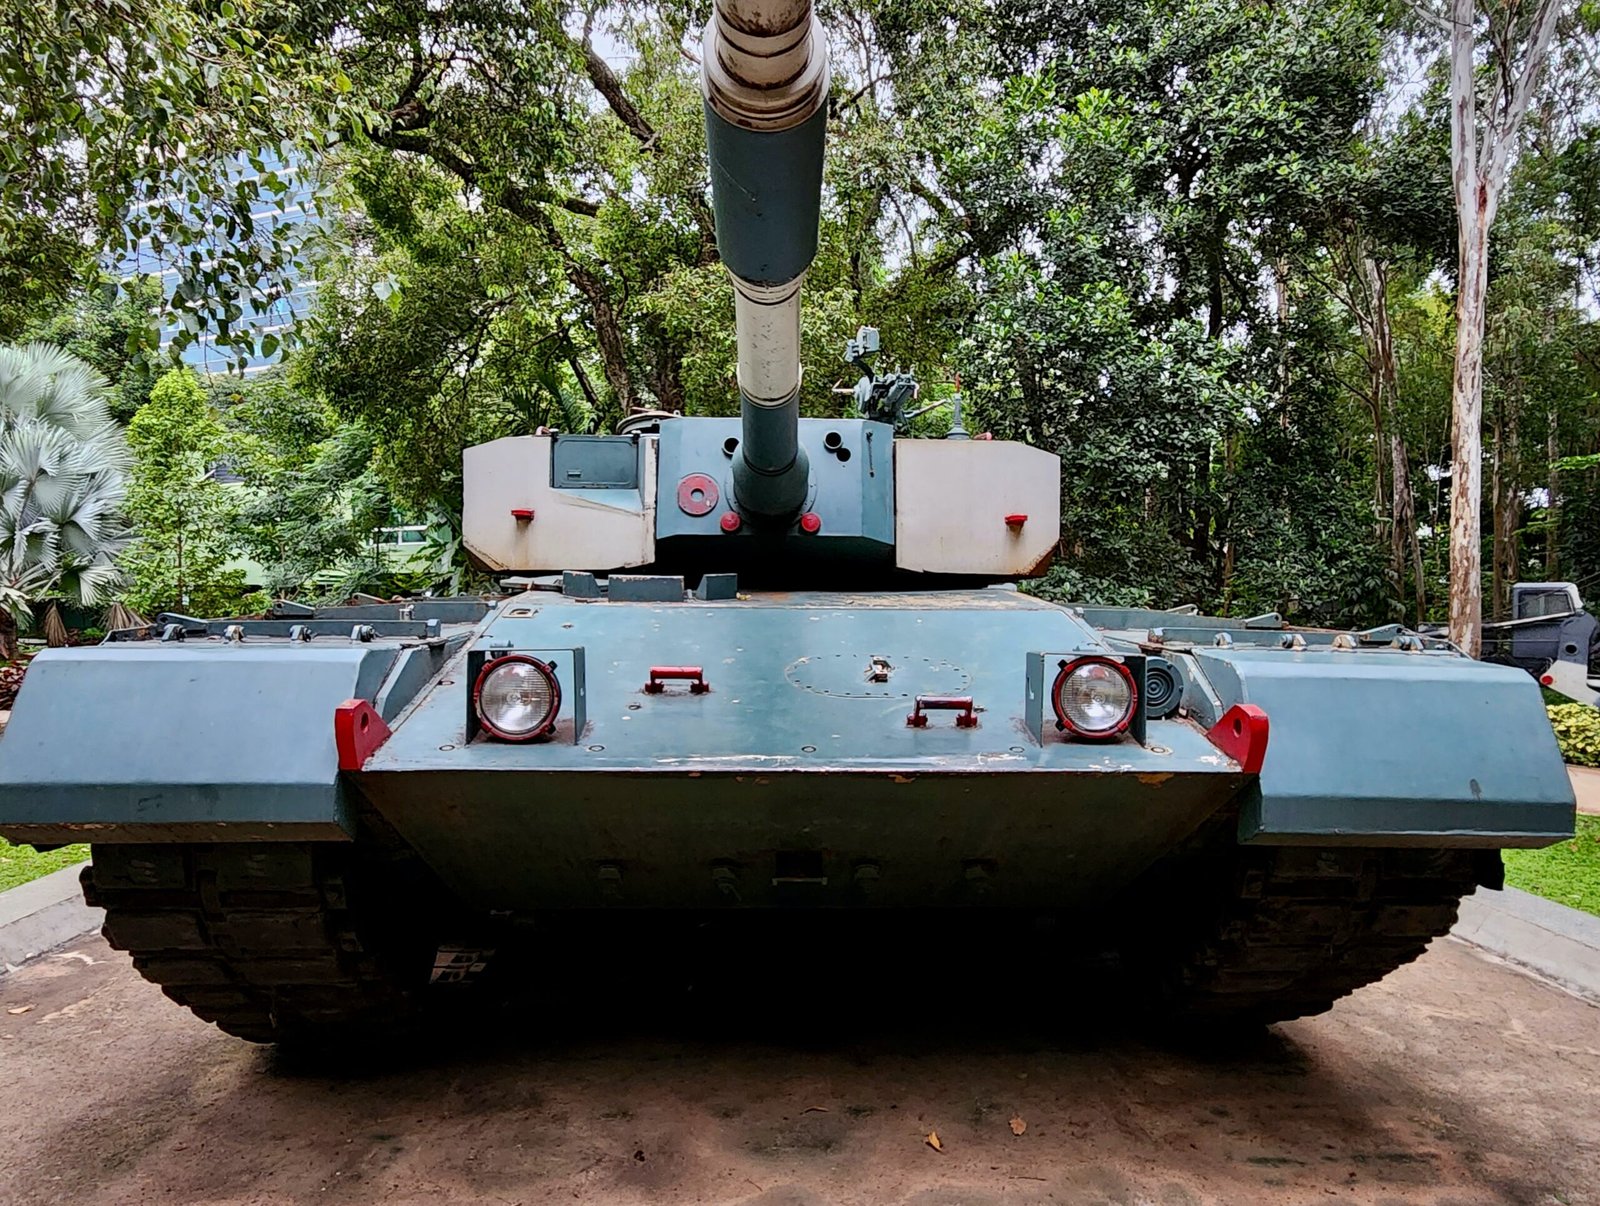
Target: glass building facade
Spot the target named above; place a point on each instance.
(295, 209)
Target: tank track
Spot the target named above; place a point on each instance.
(1292, 930)
(259, 939)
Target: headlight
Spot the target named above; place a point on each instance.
(1095, 697)
(517, 697)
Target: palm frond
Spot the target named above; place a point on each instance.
(120, 615)
(55, 628)
(63, 470)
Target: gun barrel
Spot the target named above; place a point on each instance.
(764, 73)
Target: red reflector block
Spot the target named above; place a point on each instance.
(1015, 522)
(1242, 735)
(358, 731)
(522, 514)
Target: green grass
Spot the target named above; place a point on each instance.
(19, 864)
(1568, 872)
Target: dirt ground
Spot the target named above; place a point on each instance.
(1456, 1081)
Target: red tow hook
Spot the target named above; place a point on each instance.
(661, 675)
(1242, 735)
(358, 731)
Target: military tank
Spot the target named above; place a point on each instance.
(767, 667)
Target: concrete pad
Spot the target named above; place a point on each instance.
(41, 914)
(1586, 785)
(1560, 944)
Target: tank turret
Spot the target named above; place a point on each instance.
(769, 494)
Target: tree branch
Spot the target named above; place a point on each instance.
(610, 87)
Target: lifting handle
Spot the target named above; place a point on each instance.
(962, 704)
(659, 676)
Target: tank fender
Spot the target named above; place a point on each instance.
(183, 742)
(1384, 747)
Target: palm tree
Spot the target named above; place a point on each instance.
(63, 468)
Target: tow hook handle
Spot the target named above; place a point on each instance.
(661, 675)
(966, 718)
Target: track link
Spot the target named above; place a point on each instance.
(260, 939)
(1289, 931)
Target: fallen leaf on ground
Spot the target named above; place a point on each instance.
(815, 1110)
(1017, 1125)
(933, 1141)
(20, 1009)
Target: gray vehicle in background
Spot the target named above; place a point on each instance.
(1552, 637)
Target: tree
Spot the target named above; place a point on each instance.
(124, 128)
(311, 494)
(1482, 140)
(179, 510)
(62, 474)
(106, 325)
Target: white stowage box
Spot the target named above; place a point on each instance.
(952, 500)
(570, 529)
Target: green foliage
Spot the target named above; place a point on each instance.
(180, 511)
(106, 329)
(1567, 873)
(122, 130)
(1140, 230)
(62, 473)
(1577, 729)
(20, 864)
(310, 496)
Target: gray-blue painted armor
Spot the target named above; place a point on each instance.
(183, 741)
(792, 747)
(766, 192)
(852, 495)
(1419, 746)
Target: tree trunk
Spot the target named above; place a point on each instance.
(1498, 591)
(1405, 519)
(1552, 512)
(1466, 436)
(1478, 168)
(1508, 507)
(1200, 534)
(584, 383)
(8, 635)
(1405, 547)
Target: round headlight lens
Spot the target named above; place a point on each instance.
(1095, 697)
(517, 697)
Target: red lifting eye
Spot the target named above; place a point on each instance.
(522, 514)
(1016, 521)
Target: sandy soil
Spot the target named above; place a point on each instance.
(1457, 1081)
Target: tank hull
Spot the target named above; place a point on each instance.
(755, 755)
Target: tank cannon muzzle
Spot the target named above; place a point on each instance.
(764, 73)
